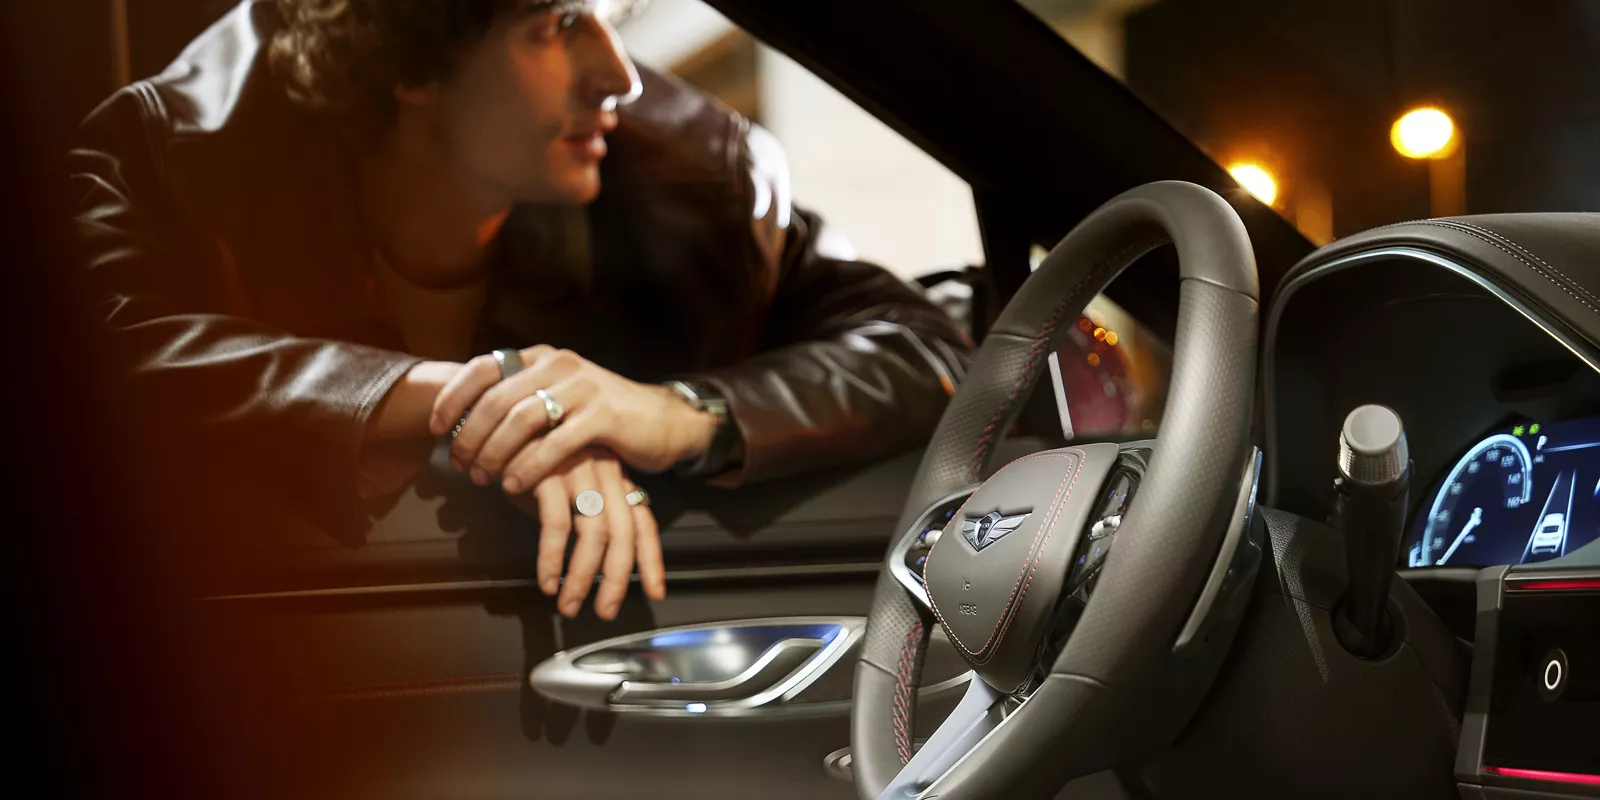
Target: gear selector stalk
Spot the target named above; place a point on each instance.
(1373, 485)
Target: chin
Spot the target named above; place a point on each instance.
(576, 184)
(584, 191)
(573, 186)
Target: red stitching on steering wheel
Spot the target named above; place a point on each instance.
(901, 710)
(1039, 349)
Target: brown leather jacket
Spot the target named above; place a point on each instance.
(223, 247)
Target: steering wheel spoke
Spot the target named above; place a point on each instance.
(980, 711)
(910, 554)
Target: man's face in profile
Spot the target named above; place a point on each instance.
(526, 111)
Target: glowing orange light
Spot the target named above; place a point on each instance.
(1100, 334)
(1111, 338)
(1084, 324)
(1256, 180)
(1424, 133)
(1094, 359)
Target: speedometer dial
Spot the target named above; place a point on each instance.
(1484, 491)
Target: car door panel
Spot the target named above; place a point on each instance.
(401, 667)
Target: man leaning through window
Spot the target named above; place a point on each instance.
(334, 231)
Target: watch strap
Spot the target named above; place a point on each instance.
(726, 449)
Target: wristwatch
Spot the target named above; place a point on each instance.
(727, 447)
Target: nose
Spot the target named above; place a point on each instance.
(608, 77)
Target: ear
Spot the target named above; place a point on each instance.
(418, 95)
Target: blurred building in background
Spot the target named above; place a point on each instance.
(1308, 91)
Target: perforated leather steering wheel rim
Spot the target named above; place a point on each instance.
(1170, 537)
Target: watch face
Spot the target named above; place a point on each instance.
(702, 397)
(686, 391)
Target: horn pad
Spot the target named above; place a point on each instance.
(997, 570)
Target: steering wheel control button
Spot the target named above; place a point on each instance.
(1553, 675)
(1114, 501)
(1105, 527)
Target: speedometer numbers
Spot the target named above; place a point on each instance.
(1528, 493)
(1494, 478)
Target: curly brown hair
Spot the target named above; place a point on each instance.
(347, 56)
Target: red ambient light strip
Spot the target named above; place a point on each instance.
(1542, 775)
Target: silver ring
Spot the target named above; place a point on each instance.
(553, 410)
(589, 503)
(510, 362)
(638, 497)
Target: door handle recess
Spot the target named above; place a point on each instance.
(778, 662)
(730, 668)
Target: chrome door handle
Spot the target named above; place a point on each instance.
(740, 668)
(778, 662)
(724, 668)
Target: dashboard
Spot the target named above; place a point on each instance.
(1486, 354)
(1499, 415)
(1523, 493)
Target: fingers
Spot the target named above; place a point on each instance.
(527, 419)
(618, 564)
(461, 391)
(542, 456)
(647, 551)
(555, 525)
(593, 537)
(480, 390)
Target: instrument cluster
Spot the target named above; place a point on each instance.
(1525, 493)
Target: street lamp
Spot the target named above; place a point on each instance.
(1429, 134)
(1256, 180)
(1424, 133)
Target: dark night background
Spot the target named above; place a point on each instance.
(1319, 83)
(1315, 83)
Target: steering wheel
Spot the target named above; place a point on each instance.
(1082, 661)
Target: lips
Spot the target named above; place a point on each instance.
(589, 143)
(587, 146)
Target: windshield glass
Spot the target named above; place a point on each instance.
(1309, 103)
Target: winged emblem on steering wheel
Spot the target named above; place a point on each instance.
(990, 528)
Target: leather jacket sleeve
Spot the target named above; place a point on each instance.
(855, 364)
(282, 412)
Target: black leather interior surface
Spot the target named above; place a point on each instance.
(422, 692)
(1546, 259)
(1292, 708)
(426, 695)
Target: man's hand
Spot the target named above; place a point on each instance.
(507, 431)
(608, 544)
